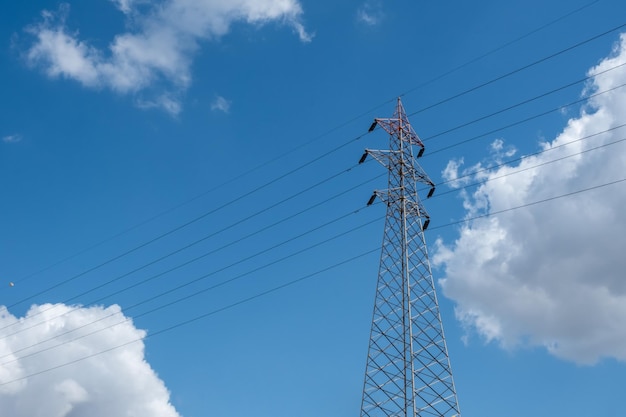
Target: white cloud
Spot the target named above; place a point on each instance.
(127, 6)
(12, 138)
(167, 102)
(221, 104)
(552, 274)
(116, 383)
(499, 150)
(453, 177)
(370, 13)
(159, 52)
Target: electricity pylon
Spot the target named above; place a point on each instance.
(408, 370)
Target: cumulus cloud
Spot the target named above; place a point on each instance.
(551, 274)
(118, 382)
(12, 138)
(221, 104)
(158, 52)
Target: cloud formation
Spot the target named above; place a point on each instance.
(160, 48)
(116, 383)
(370, 13)
(551, 274)
(12, 138)
(221, 104)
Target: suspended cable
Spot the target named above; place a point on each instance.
(197, 318)
(180, 227)
(303, 278)
(503, 110)
(301, 192)
(471, 122)
(615, 182)
(289, 256)
(520, 69)
(524, 169)
(211, 252)
(499, 48)
(282, 259)
(519, 122)
(185, 298)
(204, 255)
(491, 167)
(534, 203)
(256, 168)
(288, 198)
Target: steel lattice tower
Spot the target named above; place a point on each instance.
(408, 370)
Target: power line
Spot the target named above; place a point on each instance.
(534, 203)
(196, 219)
(363, 135)
(195, 294)
(276, 204)
(519, 122)
(520, 69)
(163, 273)
(501, 47)
(188, 262)
(490, 168)
(241, 302)
(181, 299)
(314, 139)
(335, 149)
(288, 241)
(200, 317)
(261, 211)
(521, 103)
(315, 245)
(357, 138)
(303, 278)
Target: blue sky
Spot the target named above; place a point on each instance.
(139, 135)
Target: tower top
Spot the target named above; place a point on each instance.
(399, 123)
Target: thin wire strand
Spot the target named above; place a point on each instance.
(199, 317)
(204, 255)
(501, 47)
(519, 122)
(521, 103)
(534, 203)
(314, 139)
(288, 198)
(298, 280)
(182, 226)
(271, 263)
(520, 69)
(490, 168)
(184, 298)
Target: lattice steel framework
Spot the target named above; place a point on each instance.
(408, 370)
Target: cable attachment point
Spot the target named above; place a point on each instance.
(364, 157)
(372, 199)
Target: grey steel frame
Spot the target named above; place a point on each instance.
(408, 370)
